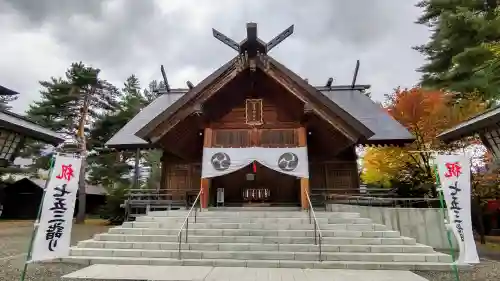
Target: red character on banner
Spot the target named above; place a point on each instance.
(454, 170)
(66, 173)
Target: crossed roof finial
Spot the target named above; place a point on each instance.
(252, 44)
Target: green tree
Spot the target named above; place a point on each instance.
(109, 166)
(68, 105)
(153, 160)
(456, 53)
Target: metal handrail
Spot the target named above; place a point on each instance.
(318, 236)
(186, 222)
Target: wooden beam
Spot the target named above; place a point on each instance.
(304, 182)
(205, 183)
(204, 95)
(337, 123)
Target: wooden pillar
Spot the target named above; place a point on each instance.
(304, 182)
(163, 180)
(205, 183)
(137, 171)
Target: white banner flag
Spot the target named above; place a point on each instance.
(53, 236)
(454, 174)
(221, 161)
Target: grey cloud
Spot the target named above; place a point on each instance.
(41, 11)
(329, 36)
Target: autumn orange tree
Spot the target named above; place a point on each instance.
(425, 113)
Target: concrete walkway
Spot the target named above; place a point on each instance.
(200, 273)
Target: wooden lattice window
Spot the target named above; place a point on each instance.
(231, 138)
(279, 138)
(253, 112)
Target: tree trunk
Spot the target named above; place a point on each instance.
(82, 192)
(82, 196)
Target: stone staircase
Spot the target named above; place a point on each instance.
(241, 237)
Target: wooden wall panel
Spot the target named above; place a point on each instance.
(273, 116)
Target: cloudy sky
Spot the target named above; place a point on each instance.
(40, 38)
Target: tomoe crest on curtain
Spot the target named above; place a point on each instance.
(288, 161)
(221, 161)
(224, 160)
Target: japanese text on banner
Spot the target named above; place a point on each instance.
(53, 236)
(454, 174)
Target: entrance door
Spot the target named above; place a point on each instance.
(264, 187)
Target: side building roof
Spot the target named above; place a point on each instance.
(353, 101)
(22, 125)
(472, 126)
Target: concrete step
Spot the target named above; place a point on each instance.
(257, 232)
(418, 248)
(252, 214)
(256, 239)
(304, 220)
(264, 255)
(254, 209)
(263, 226)
(423, 266)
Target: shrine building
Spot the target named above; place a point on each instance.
(255, 132)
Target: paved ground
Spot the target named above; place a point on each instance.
(203, 273)
(14, 239)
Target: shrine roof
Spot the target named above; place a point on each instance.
(472, 126)
(125, 138)
(363, 108)
(351, 100)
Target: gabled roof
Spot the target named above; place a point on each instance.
(360, 106)
(472, 126)
(334, 107)
(22, 125)
(7, 92)
(370, 114)
(125, 138)
(230, 66)
(192, 93)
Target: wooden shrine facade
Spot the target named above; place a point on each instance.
(254, 101)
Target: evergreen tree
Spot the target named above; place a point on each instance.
(456, 54)
(109, 166)
(68, 105)
(153, 160)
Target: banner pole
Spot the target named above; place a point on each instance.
(448, 231)
(37, 221)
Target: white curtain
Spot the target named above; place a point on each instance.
(222, 161)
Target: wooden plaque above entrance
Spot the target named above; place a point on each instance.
(254, 112)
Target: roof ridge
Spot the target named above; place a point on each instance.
(319, 88)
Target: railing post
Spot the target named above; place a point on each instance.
(195, 211)
(180, 241)
(315, 237)
(187, 228)
(320, 255)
